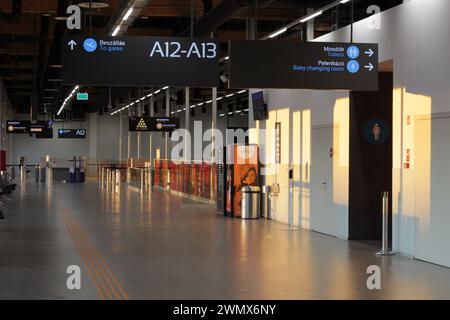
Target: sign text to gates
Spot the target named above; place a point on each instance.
(140, 61)
(300, 65)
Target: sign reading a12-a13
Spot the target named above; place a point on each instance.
(140, 61)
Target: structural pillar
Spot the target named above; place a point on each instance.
(187, 119)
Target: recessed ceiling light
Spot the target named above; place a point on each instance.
(95, 5)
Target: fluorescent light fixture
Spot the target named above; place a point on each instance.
(222, 115)
(277, 33)
(137, 101)
(219, 98)
(116, 31)
(318, 13)
(229, 95)
(67, 99)
(165, 88)
(128, 14)
(344, 1)
(242, 91)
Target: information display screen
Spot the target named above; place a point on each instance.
(259, 106)
(303, 65)
(72, 133)
(140, 61)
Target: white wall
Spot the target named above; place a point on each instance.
(415, 36)
(60, 150)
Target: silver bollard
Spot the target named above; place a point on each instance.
(102, 176)
(142, 189)
(49, 177)
(117, 185)
(23, 173)
(385, 236)
(108, 178)
(113, 181)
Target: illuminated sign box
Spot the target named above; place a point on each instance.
(303, 65)
(17, 126)
(153, 124)
(82, 96)
(72, 133)
(140, 61)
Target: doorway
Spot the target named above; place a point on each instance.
(325, 217)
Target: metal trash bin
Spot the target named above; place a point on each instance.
(265, 202)
(250, 202)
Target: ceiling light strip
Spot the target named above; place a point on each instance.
(68, 98)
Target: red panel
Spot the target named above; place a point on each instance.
(2, 160)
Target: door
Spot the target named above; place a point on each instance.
(324, 217)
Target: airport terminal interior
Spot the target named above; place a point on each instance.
(224, 149)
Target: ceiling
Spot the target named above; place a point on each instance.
(30, 34)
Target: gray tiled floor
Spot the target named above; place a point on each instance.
(167, 247)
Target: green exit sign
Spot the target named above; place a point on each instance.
(82, 96)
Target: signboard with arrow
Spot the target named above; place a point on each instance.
(303, 65)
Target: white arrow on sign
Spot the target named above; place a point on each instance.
(72, 44)
(369, 52)
(369, 66)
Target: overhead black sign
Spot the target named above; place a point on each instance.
(72, 133)
(164, 124)
(147, 124)
(140, 61)
(42, 129)
(303, 65)
(17, 126)
(40, 126)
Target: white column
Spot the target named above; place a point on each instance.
(166, 135)
(92, 139)
(120, 137)
(129, 141)
(187, 119)
(139, 111)
(309, 26)
(214, 124)
(152, 104)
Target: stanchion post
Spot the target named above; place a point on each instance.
(385, 227)
(142, 176)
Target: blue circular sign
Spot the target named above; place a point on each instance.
(353, 52)
(353, 66)
(376, 131)
(90, 45)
